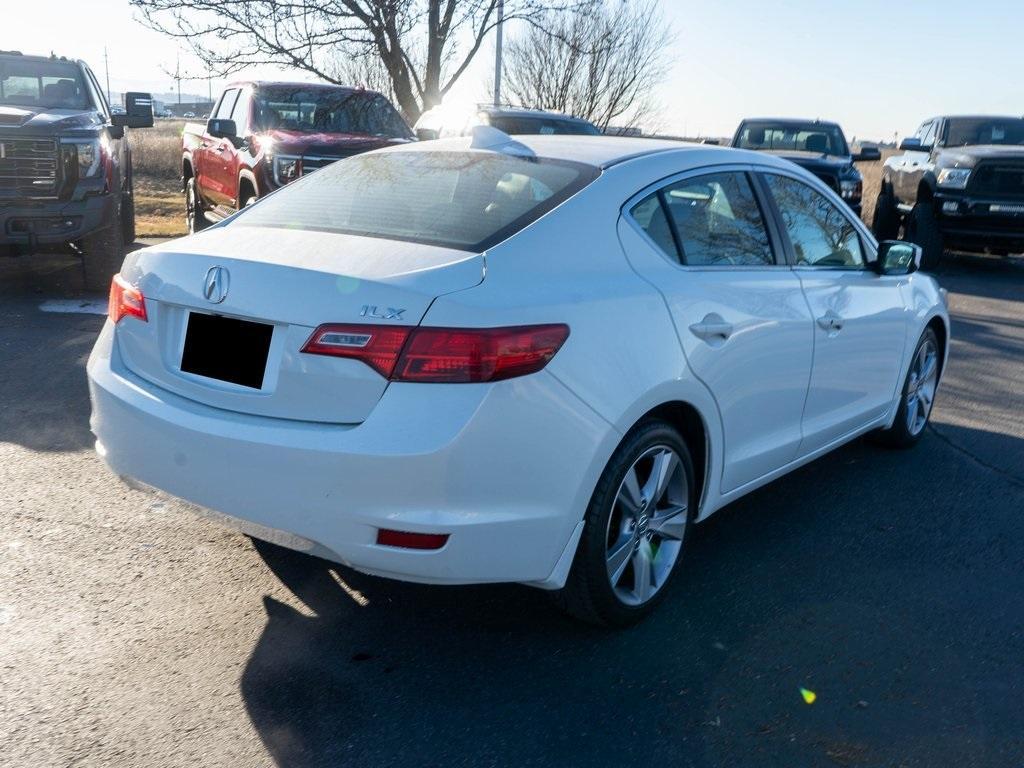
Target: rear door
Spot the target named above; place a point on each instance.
(859, 315)
(703, 240)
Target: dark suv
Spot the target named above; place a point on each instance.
(65, 166)
(816, 145)
(958, 184)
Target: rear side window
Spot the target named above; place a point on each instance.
(465, 200)
(711, 220)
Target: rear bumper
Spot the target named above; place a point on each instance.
(506, 470)
(28, 224)
(974, 224)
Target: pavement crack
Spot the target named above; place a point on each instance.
(1018, 481)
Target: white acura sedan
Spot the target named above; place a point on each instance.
(536, 361)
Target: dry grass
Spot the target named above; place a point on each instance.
(872, 173)
(156, 157)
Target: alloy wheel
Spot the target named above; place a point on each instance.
(921, 386)
(646, 526)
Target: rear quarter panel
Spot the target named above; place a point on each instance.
(622, 357)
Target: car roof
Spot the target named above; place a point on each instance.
(31, 57)
(599, 151)
(527, 112)
(789, 121)
(978, 117)
(292, 84)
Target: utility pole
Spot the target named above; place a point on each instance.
(106, 64)
(497, 53)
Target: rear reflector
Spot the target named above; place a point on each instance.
(125, 301)
(407, 540)
(442, 355)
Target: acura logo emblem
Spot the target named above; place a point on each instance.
(215, 288)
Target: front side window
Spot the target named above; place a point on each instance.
(711, 220)
(45, 84)
(821, 234)
(466, 200)
(227, 103)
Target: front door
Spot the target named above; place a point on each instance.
(739, 311)
(859, 315)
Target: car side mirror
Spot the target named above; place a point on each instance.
(914, 145)
(426, 134)
(897, 257)
(138, 111)
(221, 128)
(868, 155)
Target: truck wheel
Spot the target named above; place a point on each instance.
(195, 221)
(885, 222)
(102, 256)
(128, 218)
(922, 229)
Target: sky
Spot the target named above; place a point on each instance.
(878, 67)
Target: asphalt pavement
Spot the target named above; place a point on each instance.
(891, 584)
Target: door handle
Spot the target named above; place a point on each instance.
(830, 321)
(712, 327)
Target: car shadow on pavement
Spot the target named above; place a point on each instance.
(847, 577)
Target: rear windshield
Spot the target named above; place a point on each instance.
(517, 125)
(317, 110)
(465, 200)
(46, 84)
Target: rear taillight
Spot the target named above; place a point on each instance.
(377, 346)
(442, 355)
(125, 301)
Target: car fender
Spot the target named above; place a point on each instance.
(924, 301)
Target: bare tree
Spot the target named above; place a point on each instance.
(423, 45)
(600, 63)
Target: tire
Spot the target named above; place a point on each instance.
(102, 256)
(623, 539)
(128, 218)
(922, 229)
(885, 222)
(195, 221)
(917, 396)
(250, 200)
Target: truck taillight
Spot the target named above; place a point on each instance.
(125, 301)
(442, 355)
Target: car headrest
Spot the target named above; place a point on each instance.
(817, 142)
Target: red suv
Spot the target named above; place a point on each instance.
(262, 135)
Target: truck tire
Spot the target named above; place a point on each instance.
(102, 256)
(195, 221)
(885, 222)
(922, 229)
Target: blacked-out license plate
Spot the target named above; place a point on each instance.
(226, 349)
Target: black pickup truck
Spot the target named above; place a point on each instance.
(816, 145)
(65, 165)
(959, 184)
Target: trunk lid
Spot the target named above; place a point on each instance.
(292, 281)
